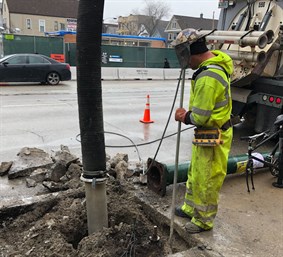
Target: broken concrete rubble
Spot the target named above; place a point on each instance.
(5, 167)
(46, 225)
(121, 169)
(30, 182)
(39, 175)
(64, 156)
(29, 159)
(57, 172)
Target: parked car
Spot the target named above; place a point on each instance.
(33, 68)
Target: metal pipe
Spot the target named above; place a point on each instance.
(97, 216)
(265, 20)
(270, 36)
(160, 175)
(241, 20)
(247, 56)
(234, 33)
(175, 172)
(260, 41)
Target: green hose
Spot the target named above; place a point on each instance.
(161, 175)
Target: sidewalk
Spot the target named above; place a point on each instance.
(247, 225)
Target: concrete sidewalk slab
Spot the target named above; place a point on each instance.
(247, 225)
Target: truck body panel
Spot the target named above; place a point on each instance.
(251, 32)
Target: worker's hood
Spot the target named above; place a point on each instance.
(220, 59)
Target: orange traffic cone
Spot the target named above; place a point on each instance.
(146, 116)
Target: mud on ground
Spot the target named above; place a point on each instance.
(58, 227)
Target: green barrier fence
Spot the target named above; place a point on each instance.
(128, 56)
(13, 44)
(111, 56)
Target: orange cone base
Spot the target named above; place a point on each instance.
(146, 121)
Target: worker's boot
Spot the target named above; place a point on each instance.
(180, 213)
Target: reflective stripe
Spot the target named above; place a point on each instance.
(220, 80)
(201, 111)
(221, 104)
(213, 75)
(214, 66)
(198, 216)
(208, 208)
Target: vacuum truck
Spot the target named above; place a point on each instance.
(251, 32)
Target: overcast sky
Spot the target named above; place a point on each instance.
(116, 8)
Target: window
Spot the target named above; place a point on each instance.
(170, 36)
(62, 26)
(56, 26)
(37, 59)
(17, 60)
(174, 25)
(41, 25)
(28, 23)
(5, 23)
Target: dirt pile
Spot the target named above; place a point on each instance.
(58, 226)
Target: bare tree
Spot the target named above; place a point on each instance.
(155, 11)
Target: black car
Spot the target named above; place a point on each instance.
(33, 68)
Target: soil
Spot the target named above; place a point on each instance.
(58, 227)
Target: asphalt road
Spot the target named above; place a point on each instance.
(47, 116)
(34, 115)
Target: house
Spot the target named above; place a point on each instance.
(179, 23)
(110, 26)
(34, 17)
(132, 25)
(159, 31)
(141, 25)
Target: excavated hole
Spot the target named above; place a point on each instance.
(60, 226)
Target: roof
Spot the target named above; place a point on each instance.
(194, 22)
(160, 29)
(52, 8)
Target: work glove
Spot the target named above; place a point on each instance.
(182, 115)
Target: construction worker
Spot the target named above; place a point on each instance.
(209, 108)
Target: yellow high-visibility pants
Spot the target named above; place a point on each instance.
(205, 178)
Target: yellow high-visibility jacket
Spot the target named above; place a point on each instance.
(210, 99)
(210, 106)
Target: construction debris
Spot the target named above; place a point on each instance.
(55, 222)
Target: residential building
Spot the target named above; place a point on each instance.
(110, 26)
(160, 30)
(140, 25)
(34, 17)
(132, 25)
(179, 23)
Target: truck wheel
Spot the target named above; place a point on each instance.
(53, 78)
